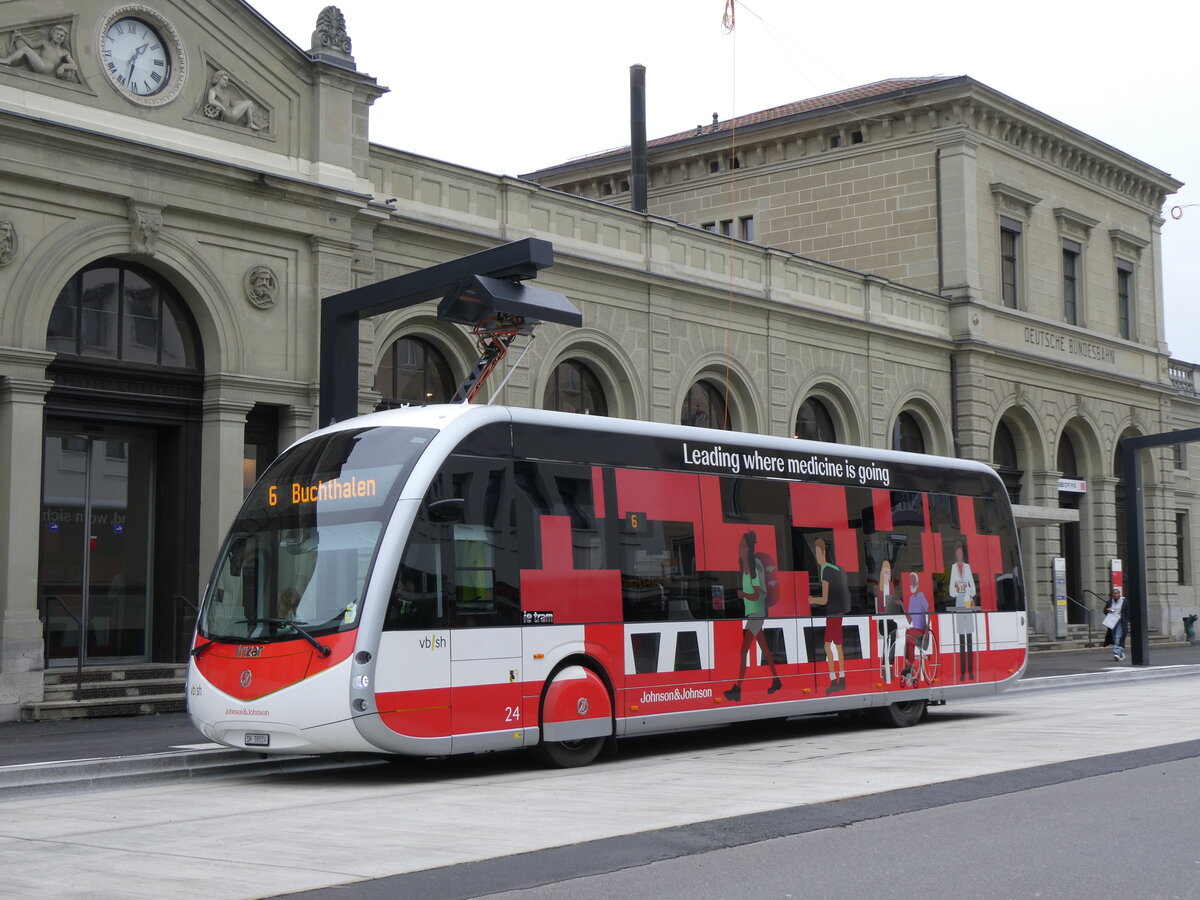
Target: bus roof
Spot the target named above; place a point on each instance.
(464, 418)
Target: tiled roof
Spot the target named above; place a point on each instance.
(825, 101)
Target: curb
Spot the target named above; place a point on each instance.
(32, 780)
(87, 775)
(1085, 679)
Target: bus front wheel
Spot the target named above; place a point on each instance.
(902, 715)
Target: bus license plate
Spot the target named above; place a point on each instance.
(258, 740)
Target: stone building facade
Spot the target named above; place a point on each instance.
(171, 218)
(1045, 244)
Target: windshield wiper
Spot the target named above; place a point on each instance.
(321, 648)
(196, 651)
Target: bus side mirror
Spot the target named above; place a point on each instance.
(446, 512)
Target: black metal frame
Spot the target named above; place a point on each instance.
(490, 280)
(1135, 543)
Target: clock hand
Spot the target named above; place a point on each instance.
(133, 59)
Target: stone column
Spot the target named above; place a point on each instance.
(1160, 325)
(1102, 498)
(1040, 544)
(222, 449)
(21, 645)
(294, 423)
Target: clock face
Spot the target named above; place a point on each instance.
(135, 57)
(141, 54)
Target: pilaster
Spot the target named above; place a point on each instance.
(959, 228)
(21, 648)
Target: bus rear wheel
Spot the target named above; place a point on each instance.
(569, 754)
(902, 715)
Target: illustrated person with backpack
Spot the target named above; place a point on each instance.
(753, 591)
(835, 598)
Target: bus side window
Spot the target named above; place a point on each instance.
(416, 600)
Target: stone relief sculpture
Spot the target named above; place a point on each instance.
(43, 53)
(330, 36)
(8, 240)
(262, 284)
(145, 224)
(221, 104)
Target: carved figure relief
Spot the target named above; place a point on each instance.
(226, 102)
(42, 52)
(262, 284)
(330, 35)
(145, 224)
(8, 240)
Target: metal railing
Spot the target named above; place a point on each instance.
(79, 643)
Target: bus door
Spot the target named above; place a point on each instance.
(485, 645)
(480, 554)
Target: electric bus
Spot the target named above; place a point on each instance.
(463, 578)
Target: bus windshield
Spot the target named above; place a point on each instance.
(334, 493)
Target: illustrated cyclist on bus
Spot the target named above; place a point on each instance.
(753, 591)
(918, 627)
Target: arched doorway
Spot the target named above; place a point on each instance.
(118, 559)
(1008, 464)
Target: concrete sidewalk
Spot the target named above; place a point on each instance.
(82, 752)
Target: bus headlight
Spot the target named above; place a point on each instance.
(362, 682)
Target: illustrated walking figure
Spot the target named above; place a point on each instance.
(753, 592)
(1117, 618)
(835, 600)
(962, 587)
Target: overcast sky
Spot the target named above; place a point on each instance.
(510, 87)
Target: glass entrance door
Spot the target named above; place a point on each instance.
(94, 574)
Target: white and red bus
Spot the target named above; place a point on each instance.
(461, 579)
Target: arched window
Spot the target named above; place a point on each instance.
(413, 371)
(813, 421)
(573, 387)
(123, 313)
(1004, 455)
(907, 434)
(704, 406)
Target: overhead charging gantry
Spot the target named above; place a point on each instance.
(483, 290)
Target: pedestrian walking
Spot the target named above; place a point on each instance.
(1116, 617)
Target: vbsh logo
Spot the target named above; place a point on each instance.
(433, 642)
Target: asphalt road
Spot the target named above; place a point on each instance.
(1123, 825)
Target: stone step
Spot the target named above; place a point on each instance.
(114, 690)
(101, 707)
(103, 690)
(92, 674)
